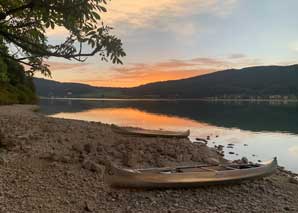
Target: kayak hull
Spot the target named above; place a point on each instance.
(125, 178)
(150, 133)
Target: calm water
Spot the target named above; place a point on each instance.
(259, 131)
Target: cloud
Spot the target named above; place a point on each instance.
(136, 74)
(56, 66)
(162, 15)
(144, 13)
(236, 56)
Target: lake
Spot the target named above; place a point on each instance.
(258, 130)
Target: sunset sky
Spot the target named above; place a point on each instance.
(174, 39)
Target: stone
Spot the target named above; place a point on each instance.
(212, 161)
(220, 147)
(244, 160)
(293, 180)
(88, 148)
(2, 160)
(286, 208)
(65, 159)
(89, 207)
(77, 147)
(92, 166)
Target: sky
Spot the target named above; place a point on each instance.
(175, 39)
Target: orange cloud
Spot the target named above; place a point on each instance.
(140, 73)
(145, 77)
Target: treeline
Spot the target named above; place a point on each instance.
(252, 82)
(16, 87)
(265, 82)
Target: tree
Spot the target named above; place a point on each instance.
(23, 25)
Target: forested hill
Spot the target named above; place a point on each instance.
(253, 81)
(263, 81)
(48, 88)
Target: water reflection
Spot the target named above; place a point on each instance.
(247, 116)
(259, 131)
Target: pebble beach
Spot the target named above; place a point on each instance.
(57, 165)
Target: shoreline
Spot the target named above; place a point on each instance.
(177, 99)
(56, 165)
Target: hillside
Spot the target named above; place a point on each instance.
(48, 88)
(263, 81)
(253, 81)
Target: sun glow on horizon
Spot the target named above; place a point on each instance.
(177, 39)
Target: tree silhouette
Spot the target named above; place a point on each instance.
(23, 25)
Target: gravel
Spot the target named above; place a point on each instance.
(57, 165)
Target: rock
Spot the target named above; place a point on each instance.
(89, 207)
(219, 147)
(92, 166)
(50, 156)
(231, 153)
(2, 160)
(202, 139)
(88, 147)
(208, 137)
(244, 160)
(65, 159)
(245, 144)
(77, 147)
(212, 161)
(286, 208)
(293, 180)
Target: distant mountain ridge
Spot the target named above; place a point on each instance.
(49, 88)
(261, 81)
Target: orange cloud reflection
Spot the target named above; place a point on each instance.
(133, 117)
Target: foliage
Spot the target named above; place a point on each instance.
(23, 26)
(16, 95)
(3, 71)
(16, 86)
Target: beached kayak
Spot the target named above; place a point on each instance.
(150, 133)
(187, 176)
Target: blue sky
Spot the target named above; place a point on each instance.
(173, 39)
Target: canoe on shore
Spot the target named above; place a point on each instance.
(187, 176)
(150, 133)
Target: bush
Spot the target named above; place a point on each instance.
(16, 95)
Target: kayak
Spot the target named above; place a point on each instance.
(187, 176)
(150, 133)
